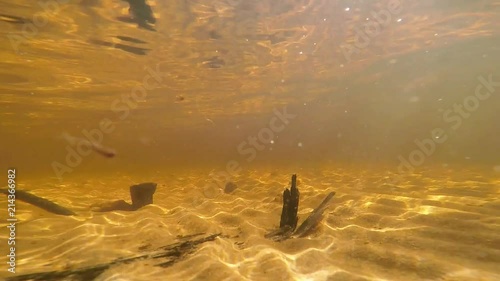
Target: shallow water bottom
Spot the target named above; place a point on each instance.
(430, 225)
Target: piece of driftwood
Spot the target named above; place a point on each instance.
(141, 195)
(314, 218)
(291, 197)
(170, 253)
(40, 202)
(289, 218)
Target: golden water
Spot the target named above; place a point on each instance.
(225, 69)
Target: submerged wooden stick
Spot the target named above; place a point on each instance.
(290, 206)
(40, 202)
(314, 218)
(141, 195)
(289, 216)
(172, 253)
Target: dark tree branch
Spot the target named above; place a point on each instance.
(290, 206)
(40, 202)
(289, 218)
(171, 253)
(314, 218)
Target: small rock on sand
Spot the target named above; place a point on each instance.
(230, 187)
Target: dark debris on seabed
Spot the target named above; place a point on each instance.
(142, 195)
(169, 254)
(289, 218)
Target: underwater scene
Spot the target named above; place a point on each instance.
(249, 140)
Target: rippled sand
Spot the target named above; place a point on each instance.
(434, 225)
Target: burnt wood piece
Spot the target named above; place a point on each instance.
(40, 202)
(141, 194)
(171, 254)
(314, 218)
(290, 206)
(289, 216)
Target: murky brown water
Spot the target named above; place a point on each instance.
(391, 104)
